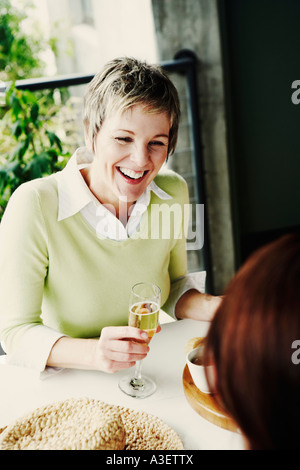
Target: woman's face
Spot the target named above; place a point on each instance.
(129, 150)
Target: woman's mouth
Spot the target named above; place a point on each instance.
(131, 175)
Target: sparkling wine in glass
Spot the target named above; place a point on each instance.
(144, 308)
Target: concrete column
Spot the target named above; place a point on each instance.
(193, 24)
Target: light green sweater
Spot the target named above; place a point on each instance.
(61, 274)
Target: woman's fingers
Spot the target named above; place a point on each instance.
(129, 346)
(120, 347)
(119, 356)
(127, 351)
(115, 366)
(124, 332)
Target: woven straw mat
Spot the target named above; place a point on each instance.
(88, 424)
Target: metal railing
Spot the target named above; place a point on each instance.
(185, 63)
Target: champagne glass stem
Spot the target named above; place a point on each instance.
(138, 370)
(137, 381)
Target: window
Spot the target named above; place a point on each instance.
(87, 11)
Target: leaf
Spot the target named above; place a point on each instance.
(38, 165)
(54, 140)
(34, 112)
(15, 105)
(53, 157)
(3, 180)
(10, 175)
(28, 97)
(19, 150)
(16, 129)
(12, 168)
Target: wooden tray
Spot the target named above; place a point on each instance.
(204, 404)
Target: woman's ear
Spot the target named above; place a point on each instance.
(87, 140)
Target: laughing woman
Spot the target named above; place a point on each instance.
(72, 244)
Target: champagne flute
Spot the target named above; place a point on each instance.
(144, 308)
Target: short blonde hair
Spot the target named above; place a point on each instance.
(125, 82)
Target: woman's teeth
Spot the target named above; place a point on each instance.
(131, 173)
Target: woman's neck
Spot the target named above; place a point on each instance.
(119, 208)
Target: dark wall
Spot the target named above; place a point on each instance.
(261, 44)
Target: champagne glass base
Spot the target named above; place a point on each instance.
(137, 388)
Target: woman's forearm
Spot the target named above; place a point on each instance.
(197, 306)
(117, 348)
(72, 353)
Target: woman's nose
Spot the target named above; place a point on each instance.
(140, 155)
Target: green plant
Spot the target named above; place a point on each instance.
(19, 52)
(29, 148)
(38, 131)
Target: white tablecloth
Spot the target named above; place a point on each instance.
(22, 390)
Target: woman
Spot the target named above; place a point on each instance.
(253, 341)
(74, 243)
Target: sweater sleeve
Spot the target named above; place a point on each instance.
(181, 285)
(181, 280)
(23, 270)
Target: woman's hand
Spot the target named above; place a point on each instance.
(119, 347)
(197, 306)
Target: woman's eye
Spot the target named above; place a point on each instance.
(123, 139)
(157, 142)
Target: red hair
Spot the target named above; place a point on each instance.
(250, 343)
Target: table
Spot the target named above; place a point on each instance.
(22, 390)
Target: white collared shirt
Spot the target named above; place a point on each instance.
(74, 196)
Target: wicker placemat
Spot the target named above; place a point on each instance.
(147, 432)
(88, 424)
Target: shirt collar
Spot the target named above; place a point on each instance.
(74, 194)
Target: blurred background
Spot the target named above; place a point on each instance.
(233, 62)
